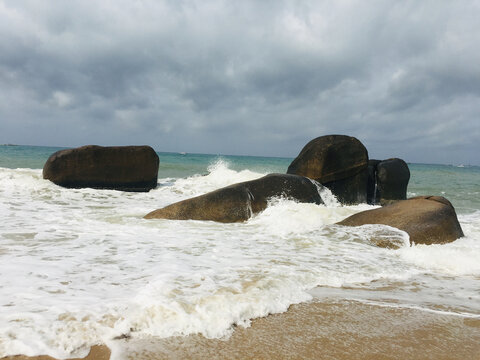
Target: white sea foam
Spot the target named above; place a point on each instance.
(79, 267)
(460, 257)
(326, 194)
(219, 175)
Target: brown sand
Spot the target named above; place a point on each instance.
(98, 352)
(319, 330)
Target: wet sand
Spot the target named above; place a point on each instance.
(98, 352)
(322, 330)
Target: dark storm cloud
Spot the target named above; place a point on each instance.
(243, 77)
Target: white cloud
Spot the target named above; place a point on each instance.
(62, 99)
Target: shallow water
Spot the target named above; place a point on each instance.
(79, 267)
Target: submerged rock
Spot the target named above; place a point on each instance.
(338, 162)
(128, 168)
(240, 201)
(426, 219)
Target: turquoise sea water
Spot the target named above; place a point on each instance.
(81, 266)
(459, 184)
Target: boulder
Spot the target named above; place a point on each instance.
(240, 201)
(338, 162)
(426, 219)
(127, 168)
(390, 179)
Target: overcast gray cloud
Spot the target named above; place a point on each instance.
(243, 77)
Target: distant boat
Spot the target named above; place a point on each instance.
(183, 153)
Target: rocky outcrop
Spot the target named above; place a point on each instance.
(338, 162)
(128, 168)
(389, 178)
(240, 201)
(426, 219)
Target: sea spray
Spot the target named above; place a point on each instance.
(326, 194)
(219, 175)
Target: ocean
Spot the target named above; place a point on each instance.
(80, 267)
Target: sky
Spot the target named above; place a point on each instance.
(244, 77)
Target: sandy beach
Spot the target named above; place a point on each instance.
(98, 352)
(321, 330)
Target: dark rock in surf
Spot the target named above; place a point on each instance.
(392, 180)
(426, 219)
(127, 168)
(338, 162)
(240, 201)
(387, 181)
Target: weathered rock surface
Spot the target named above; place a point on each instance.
(240, 201)
(392, 178)
(426, 219)
(338, 162)
(128, 168)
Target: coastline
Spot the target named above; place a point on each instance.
(443, 278)
(336, 329)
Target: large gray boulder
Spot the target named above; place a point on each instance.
(127, 168)
(238, 202)
(426, 219)
(338, 162)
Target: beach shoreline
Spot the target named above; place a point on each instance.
(97, 352)
(337, 329)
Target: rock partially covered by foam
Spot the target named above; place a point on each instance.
(426, 219)
(238, 202)
(127, 168)
(338, 162)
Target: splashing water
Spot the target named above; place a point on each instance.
(326, 194)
